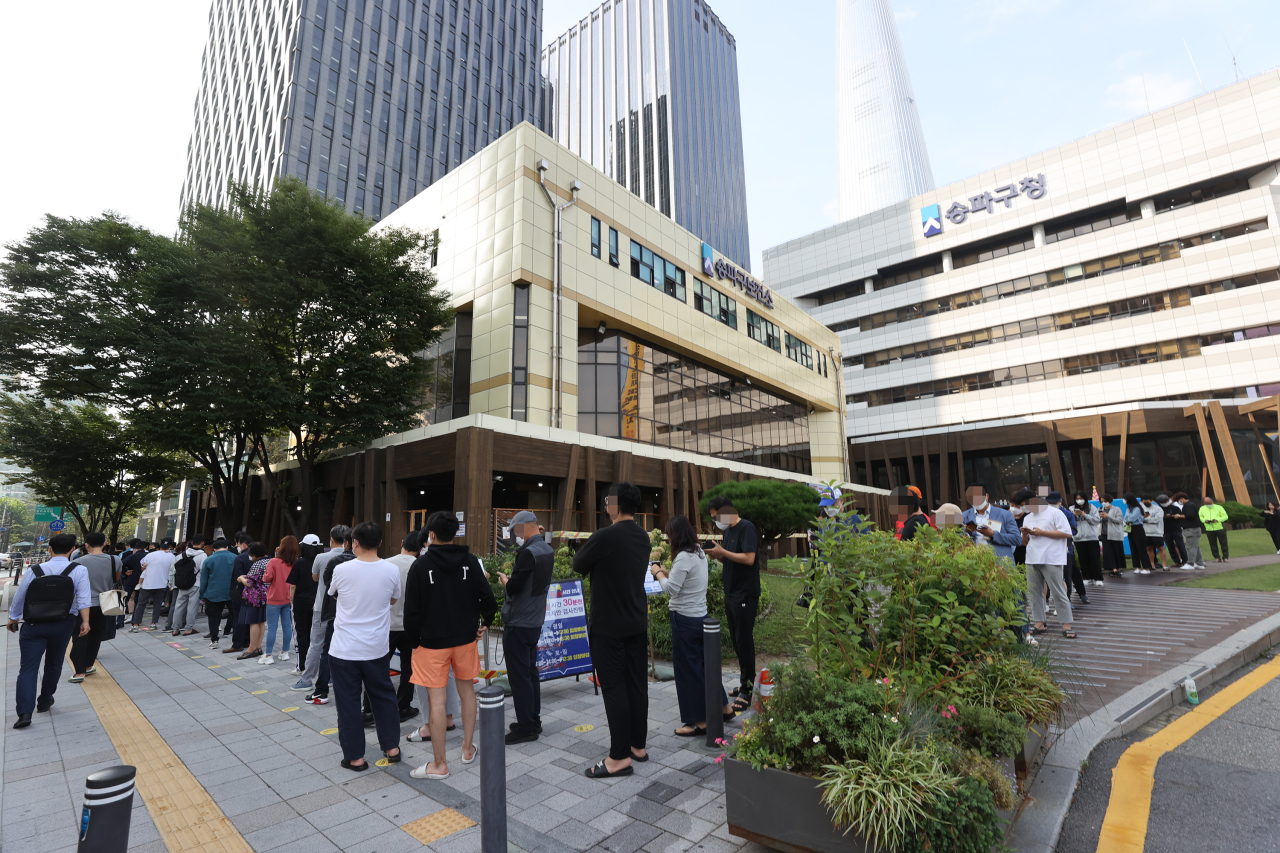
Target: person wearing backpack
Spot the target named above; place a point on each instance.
(104, 573)
(184, 577)
(49, 598)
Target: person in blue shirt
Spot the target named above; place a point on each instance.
(989, 524)
(47, 640)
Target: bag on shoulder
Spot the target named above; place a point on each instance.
(49, 597)
(184, 572)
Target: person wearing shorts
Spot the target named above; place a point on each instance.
(448, 606)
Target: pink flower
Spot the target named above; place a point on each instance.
(720, 759)
(951, 708)
(886, 681)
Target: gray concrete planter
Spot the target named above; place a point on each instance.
(781, 810)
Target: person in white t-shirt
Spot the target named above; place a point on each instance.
(153, 588)
(359, 653)
(1045, 533)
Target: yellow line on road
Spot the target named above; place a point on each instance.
(186, 816)
(1124, 829)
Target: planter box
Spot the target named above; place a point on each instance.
(781, 810)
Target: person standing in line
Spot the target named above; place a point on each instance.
(216, 576)
(154, 586)
(616, 559)
(1212, 517)
(130, 575)
(917, 519)
(991, 525)
(1045, 532)
(686, 584)
(104, 571)
(315, 677)
(279, 594)
(1174, 518)
(184, 577)
(1271, 521)
(1153, 528)
(238, 630)
(61, 594)
(364, 590)
(738, 551)
(1135, 517)
(399, 639)
(304, 595)
(1071, 577)
(1088, 523)
(448, 608)
(523, 612)
(1112, 515)
(1191, 533)
(253, 608)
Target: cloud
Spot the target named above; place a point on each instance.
(1133, 94)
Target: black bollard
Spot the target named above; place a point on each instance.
(108, 806)
(493, 770)
(711, 678)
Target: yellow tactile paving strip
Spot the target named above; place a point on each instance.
(188, 819)
(435, 826)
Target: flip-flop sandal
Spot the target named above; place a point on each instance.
(641, 758)
(414, 737)
(359, 768)
(392, 759)
(1039, 631)
(735, 691)
(697, 732)
(475, 751)
(1069, 634)
(742, 703)
(730, 716)
(599, 771)
(421, 773)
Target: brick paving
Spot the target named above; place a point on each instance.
(274, 774)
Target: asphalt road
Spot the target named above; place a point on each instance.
(1218, 791)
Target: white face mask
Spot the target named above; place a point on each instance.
(1018, 510)
(982, 507)
(723, 525)
(519, 540)
(1079, 502)
(831, 511)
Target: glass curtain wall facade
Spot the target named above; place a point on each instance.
(367, 101)
(629, 388)
(448, 393)
(647, 92)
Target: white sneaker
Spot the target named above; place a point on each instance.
(283, 656)
(1097, 583)
(1144, 571)
(214, 644)
(266, 660)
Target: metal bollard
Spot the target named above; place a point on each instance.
(711, 678)
(493, 770)
(108, 807)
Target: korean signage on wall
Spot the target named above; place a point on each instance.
(724, 270)
(931, 217)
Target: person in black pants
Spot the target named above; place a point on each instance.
(304, 595)
(1271, 521)
(523, 613)
(244, 562)
(616, 559)
(739, 552)
(1174, 518)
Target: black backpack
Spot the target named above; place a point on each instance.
(329, 607)
(184, 572)
(49, 597)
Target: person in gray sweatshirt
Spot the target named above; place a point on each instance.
(1112, 515)
(523, 612)
(1088, 547)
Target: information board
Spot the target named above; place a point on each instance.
(563, 648)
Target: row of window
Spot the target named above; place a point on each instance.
(658, 272)
(1058, 367)
(1054, 232)
(1169, 299)
(1053, 278)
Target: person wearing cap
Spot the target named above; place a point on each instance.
(304, 595)
(523, 613)
(1045, 533)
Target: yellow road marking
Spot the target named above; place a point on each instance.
(585, 727)
(435, 826)
(186, 816)
(287, 710)
(258, 692)
(216, 666)
(196, 657)
(1124, 829)
(235, 678)
(328, 731)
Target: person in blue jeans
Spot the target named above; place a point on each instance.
(279, 596)
(686, 584)
(47, 639)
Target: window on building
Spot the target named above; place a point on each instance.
(613, 246)
(595, 237)
(715, 304)
(798, 350)
(520, 356)
(673, 283)
(760, 329)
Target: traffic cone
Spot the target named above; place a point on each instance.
(764, 689)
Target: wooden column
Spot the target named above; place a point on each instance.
(621, 466)
(884, 448)
(944, 469)
(1210, 458)
(1055, 458)
(669, 491)
(1095, 430)
(723, 475)
(569, 488)
(911, 464)
(682, 477)
(928, 475)
(1122, 477)
(393, 502)
(866, 456)
(590, 505)
(960, 469)
(473, 486)
(369, 509)
(1238, 485)
(341, 507)
(1262, 452)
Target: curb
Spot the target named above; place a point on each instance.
(1049, 798)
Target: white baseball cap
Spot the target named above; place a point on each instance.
(311, 539)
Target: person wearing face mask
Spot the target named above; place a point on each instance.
(1153, 527)
(523, 613)
(1173, 520)
(1045, 533)
(1088, 553)
(739, 551)
(1134, 516)
(989, 525)
(1113, 536)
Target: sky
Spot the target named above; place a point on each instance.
(99, 95)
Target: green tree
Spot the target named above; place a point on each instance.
(17, 516)
(340, 318)
(84, 459)
(776, 508)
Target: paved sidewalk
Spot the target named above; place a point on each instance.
(270, 764)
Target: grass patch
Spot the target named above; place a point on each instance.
(1244, 543)
(779, 634)
(1258, 578)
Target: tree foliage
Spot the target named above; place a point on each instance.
(776, 508)
(83, 459)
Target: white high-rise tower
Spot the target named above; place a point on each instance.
(879, 145)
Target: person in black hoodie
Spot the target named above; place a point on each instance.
(448, 606)
(523, 613)
(616, 560)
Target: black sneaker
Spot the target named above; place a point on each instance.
(515, 727)
(368, 721)
(44, 706)
(316, 698)
(408, 713)
(518, 736)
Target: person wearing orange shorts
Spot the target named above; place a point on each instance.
(448, 606)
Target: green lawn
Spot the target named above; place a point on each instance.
(778, 635)
(1259, 578)
(1245, 543)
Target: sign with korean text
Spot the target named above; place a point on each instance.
(563, 648)
(725, 270)
(1032, 188)
(45, 514)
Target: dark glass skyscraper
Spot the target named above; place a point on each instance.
(368, 101)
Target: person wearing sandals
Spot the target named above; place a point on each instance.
(1045, 533)
(253, 607)
(686, 585)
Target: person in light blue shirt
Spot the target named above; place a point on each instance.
(991, 525)
(47, 640)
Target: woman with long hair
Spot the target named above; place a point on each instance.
(1088, 549)
(1271, 520)
(1134, 517)
(253, 610)
(686, 584)
(279, 594)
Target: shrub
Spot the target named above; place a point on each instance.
(990, 732)
(961, 820)
(1017, 683)
(1238, 513)
(966, 762)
